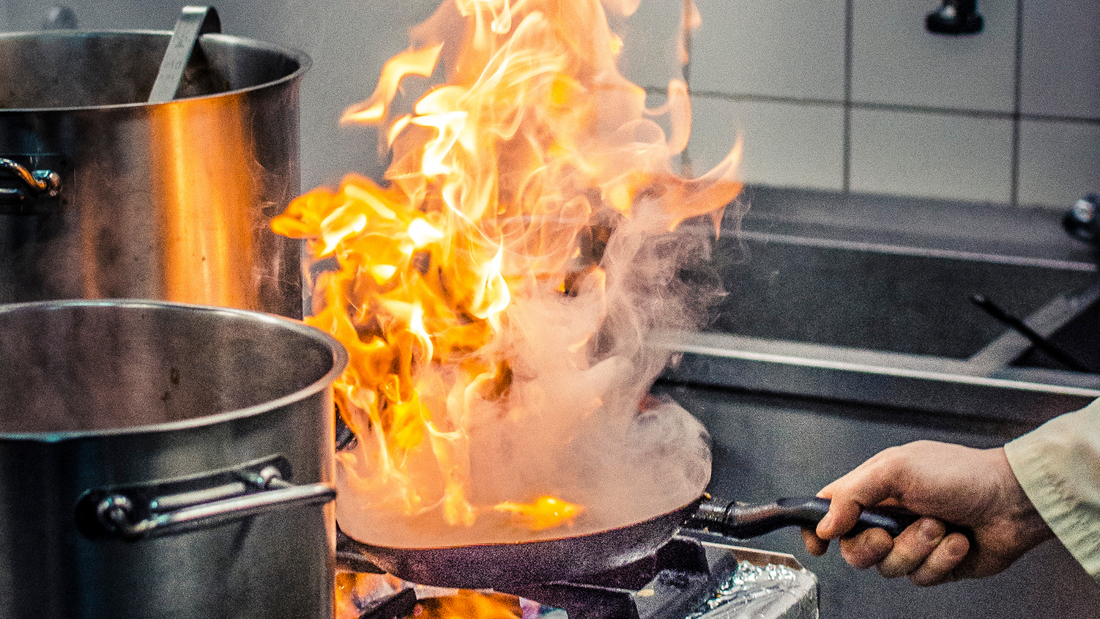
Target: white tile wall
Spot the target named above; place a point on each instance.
(348, 41)
(931, 155)
(779, 48)
(100, 14)
(775, 70)
(895, 60)
(650, 51)
(1061, 58)
(784, 143)
(1059, 162)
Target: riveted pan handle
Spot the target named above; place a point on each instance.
(228, 496)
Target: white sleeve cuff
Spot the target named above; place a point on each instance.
(1058, 466)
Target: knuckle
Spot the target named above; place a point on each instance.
(899, 563)
(888, 569)
(815, 545)
(925, 580)
(954, 548)
(930, 579)
(865, 550)
(939, 567)
(904, 558)
(856, 559)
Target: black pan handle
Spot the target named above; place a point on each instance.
(743, 521)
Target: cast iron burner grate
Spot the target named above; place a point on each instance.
(667, 583)
(678, 580)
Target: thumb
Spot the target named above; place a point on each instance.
(863, 487)
(843, 515)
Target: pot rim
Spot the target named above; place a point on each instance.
(303, 60)
(339, 363)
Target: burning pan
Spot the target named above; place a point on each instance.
(103, 195)
(164, 460)
(505, 565)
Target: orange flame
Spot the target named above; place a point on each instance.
(356, 590)
(466, 604)
(544, 513)
(351, 589)
(498, 177)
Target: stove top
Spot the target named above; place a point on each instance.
(693, 576)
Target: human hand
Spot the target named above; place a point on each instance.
(942, 482)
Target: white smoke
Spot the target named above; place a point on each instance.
(570, 424)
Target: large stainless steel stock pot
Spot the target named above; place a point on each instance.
(161, 460)
(103, 195)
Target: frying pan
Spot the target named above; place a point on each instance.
(498, 565)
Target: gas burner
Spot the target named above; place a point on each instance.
(667, 583)
(691, 576)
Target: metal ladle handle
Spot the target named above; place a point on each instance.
(115, 513)
(193, 23)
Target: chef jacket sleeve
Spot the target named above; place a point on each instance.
(1058, 466)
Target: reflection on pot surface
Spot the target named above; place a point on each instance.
(164, 461)
(103, 195)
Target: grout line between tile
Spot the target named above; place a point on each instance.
(1017, 69)
(884, 107)
(1061, 119)
(685, 156)
(715, 94)
(846, 137)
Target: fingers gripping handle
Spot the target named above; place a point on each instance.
(744, 521)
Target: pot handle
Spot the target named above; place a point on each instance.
(40, 183)
(257, 493)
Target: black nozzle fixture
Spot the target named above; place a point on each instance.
(60, 18)
(955, 17)
(1082, 221)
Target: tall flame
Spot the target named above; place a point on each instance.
(505, 185)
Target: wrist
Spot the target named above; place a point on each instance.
(1014, 506)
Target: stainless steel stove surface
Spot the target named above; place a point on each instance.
(762, 585)
(691, 577)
